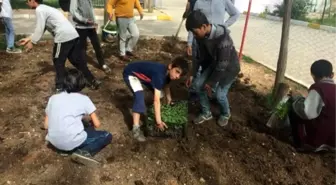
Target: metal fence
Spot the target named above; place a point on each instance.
(21, 4)
(306, 45)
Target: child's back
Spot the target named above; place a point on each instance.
(65, 112)
(149, 73)
(55, 22)
(322, 130)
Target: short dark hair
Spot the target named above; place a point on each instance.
(74, 81)
(321, 68)
(195, 20)
(182, 63)
(39, 1)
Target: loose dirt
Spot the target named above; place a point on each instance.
(246, 154)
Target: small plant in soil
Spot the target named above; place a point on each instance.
(175, 117)
(281, 110)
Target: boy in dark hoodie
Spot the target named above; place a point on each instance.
(219, 61)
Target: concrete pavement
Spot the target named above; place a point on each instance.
(262, 40)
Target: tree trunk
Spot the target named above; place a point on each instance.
(2, 30)
(105, 12)
(282, 60)
(330, 8)
(283, 90)
(150, 6)
(324, 9)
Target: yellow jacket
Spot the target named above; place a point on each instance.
(123, 8)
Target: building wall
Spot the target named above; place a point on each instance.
(258, 6)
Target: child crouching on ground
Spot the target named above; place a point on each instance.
(313, 118)
(156, 77)
(63, 120)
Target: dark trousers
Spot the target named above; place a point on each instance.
(92, 35)
(96, 140)
(296, 124)
(69, 50)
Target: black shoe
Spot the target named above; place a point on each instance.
(94, 84)
(130, 54)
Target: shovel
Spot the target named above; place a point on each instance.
(179, 28)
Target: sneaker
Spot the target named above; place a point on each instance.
(13, 50)
(203, 117)
(85, 158)
(223, 121)
(130, 54)
(138, 134)
(106, 69)
(94, 84)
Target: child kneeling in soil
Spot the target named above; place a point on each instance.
(312, 118)
(63, 120)
(156, 77)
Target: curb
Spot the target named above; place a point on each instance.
(286, 76)
(161, 17)
(295, 22)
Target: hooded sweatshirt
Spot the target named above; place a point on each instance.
(82, 12)
(218, 53)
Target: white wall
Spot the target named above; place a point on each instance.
(258, 6)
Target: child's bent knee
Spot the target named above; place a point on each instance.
(109, 137)
(139, 102)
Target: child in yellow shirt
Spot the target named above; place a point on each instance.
(123, 12)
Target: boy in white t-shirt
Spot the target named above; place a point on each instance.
(6, 15)
(64, 114)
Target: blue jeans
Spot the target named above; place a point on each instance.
(220, 93)
(96, 140)
(9, 29)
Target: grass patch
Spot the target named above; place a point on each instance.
(268, 71)
(248, 59)
(328, 21)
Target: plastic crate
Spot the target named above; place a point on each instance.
(171, 132)
(174, 130)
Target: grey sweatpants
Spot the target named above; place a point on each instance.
(127, 41)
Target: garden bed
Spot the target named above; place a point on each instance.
(247, 154)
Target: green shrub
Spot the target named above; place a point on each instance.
(299, 9)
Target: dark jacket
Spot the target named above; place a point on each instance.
(218, 49)
(322, 130)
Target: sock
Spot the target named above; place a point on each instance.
(135, 127)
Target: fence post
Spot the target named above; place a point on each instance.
(245, 29)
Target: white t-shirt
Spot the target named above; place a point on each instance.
(6, 9)
(51, 19)
(65, 112)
